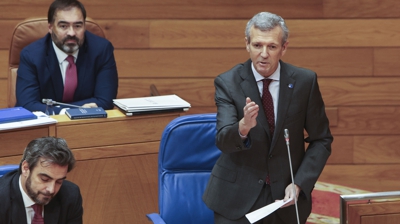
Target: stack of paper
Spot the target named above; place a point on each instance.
(140, 105)
(42, 119)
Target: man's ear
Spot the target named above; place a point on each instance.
(25, 168)
(50, 30)
(247, 44)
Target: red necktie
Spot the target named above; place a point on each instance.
(71, 80)
(37, 218)
(268, 105)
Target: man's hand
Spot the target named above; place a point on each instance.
(89, 105)
(290, 194)
(248, 121)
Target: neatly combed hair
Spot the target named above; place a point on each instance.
(53, 150)
(62, 5)
(266, 21)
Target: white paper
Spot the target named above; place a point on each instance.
(151, 103)
(42, 119)
(265, 211)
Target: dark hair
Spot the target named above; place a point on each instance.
(62, 5)
(53, 150)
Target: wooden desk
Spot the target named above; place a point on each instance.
(117, 162)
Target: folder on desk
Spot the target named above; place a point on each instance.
(15, 114)
(152, 104)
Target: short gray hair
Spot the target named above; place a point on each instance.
(266, 21)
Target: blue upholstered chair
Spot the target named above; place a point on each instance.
(7, 168)
(186, 157)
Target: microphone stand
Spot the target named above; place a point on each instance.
(51, 102)
(291, 174)
(49, 105)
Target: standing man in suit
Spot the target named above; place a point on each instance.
(253, 169)
(38, 191)
(69, 65)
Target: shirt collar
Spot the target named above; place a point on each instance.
(61, 55)
(28, 202)
(275, 76)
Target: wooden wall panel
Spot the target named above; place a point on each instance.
(386, 61)
(197, 33)
(377, 149)
(173, 9)
(368, 120)
(342, 150)
(360, 91)
(344, 33)
(304, 33)
(174, 63)
(335, 62)
(126, 34)
(7, 28)
(3, 93)
(376, 177)
(361, 9)
(177, 63)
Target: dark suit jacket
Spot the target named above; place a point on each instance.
(238, 176)
(39, 74)
(64, 208)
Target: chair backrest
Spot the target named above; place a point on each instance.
(7, 168)
(187, 155)
(25, 33)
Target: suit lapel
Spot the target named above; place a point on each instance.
(286, 87)
(17, 204)
(250, 89)
(54, 71)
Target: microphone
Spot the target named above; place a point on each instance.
(51, 102)
(286, 135)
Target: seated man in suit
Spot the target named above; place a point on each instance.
(69, 65)
(38, 192)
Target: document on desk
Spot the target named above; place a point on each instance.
(42, 119)
(265, 211)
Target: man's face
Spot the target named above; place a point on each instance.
(68, 29)
(43, 182)
(265, 48)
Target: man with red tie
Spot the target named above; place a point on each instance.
(38, 191)
(256, 101)
(69, 65)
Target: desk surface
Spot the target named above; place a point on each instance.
(117, 161)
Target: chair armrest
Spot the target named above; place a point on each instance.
(155, 218)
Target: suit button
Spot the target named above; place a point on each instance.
(270, 157)
(260, 181)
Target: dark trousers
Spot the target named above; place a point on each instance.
(263, 199)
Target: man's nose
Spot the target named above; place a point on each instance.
(264, 52)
